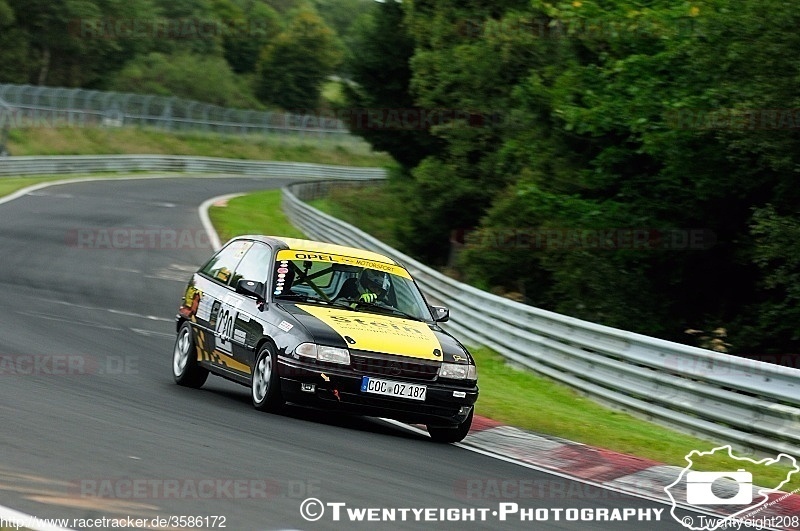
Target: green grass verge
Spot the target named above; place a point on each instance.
(371, 208)
(524, 399)
(256, 213)
(508, 394)
(133, 140)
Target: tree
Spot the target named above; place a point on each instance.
(13, 47)
(192, 26)
(777, 254)
(293, 67)
(377, 64)
(74, 42)
(207, 79)
(252, 29)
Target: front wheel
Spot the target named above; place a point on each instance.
(451, 435)
(265, 384)
(185, 369)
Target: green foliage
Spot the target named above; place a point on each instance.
(340, 15)
(207, 79)
(127, 44)
(253, 29)
(605, 116)
(377, 63)
(294, 66)
(54, 46)
(777, 254)
(13, 47)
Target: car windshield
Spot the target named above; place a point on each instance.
(354, 283)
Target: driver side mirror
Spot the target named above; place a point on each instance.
(251, 288)
(441, 314)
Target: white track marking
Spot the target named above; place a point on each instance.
(202, 210)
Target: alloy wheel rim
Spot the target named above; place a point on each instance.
(261, 378)
(181, 355)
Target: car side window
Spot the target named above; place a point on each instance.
(254, 265)
(223, 264)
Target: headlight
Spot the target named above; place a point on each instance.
(458, 371)
(324, 353)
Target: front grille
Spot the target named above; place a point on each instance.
(393, 366)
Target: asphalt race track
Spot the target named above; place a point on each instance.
(93, 425)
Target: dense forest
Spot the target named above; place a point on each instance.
(238, 53)
(633, 163)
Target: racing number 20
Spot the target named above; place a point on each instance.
(225, 323)
(224, 329)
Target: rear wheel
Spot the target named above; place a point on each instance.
(265, 384)
(451, 435)
(185, 369)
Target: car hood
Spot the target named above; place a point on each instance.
(371, 332)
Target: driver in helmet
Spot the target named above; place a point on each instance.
(370, 285)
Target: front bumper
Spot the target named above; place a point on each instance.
(340, 389)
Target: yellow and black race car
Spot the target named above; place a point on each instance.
(325, 325)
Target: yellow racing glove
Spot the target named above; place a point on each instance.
(368, 297)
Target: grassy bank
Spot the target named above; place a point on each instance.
(133, 140)
(510, 395)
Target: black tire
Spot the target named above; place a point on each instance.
(265, 384)
(451, 435)
(185, 369)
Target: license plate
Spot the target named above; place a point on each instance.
(389, 388)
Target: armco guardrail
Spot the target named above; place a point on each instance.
(752, 404)
(55, 165)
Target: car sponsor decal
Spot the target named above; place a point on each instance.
(191, 300)
(285, 326)
(204, 308)
(379, 333)
(339, 259)
(217, 358)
